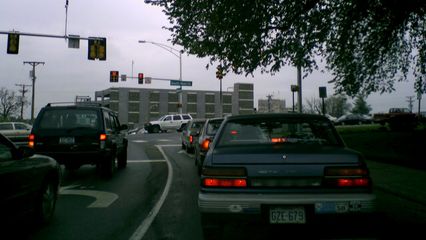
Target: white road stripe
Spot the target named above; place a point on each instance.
(146, 161)
(143, 228)
(163, 140)
(139, 141)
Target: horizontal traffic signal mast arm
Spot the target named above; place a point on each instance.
(51, 35)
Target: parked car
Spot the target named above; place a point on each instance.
(204, 138)
(189, 132)
(353, 119)
(282, 169)
(29, 184)
(81, 134)
(17, 132)
(168, 122)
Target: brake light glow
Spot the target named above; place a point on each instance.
(191, 138)
(205, 144)
(31, 139)
(278, 140)
(234, 132)
(102, 137)
(347, 176)
(225, 182)
(353, 182)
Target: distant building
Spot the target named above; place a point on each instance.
(135, 106)
(271, 105)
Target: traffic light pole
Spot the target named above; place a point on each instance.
(174, 52)
(33, 75)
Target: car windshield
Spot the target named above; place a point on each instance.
(277, 131)
(69, 119)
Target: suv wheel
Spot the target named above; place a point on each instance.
(108, 166)
(122, 159)
(156, 129)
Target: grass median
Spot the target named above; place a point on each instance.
(377, 143)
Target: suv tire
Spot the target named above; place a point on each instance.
(122, 159)
(156, 129)
(108, 165)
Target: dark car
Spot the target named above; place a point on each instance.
(81, 134)
(282, 169)
(191, 129)
(29, 184)
(353, 119)
(204, 138)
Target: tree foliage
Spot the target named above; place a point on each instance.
(336, 105)
(361, 106)
(9, 103)
(367, 45)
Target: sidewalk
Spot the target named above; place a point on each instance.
(404, 182)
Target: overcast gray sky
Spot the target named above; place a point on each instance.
(68, 72)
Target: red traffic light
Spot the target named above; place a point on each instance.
(113, 76)
(140, 78)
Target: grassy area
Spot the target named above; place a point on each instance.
(378, 143)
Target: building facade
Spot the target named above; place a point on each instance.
(271, 105)
(136, 106)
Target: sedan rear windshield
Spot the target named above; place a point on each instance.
(277, 131)
(70, 118)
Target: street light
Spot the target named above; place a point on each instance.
(177, 53)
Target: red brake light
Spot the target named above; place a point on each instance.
(225, 182)
(191, 138)
(102, 137)
(278, 140)
(353, 182)
(205, 145)
(347, 176)
(31, 139)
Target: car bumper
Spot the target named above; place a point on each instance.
(318, 203)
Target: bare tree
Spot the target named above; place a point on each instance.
(9, 103)
(313, 105)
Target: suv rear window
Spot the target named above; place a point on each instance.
(69, 118)
(186, 117)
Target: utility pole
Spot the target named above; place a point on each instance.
(23, 91)
(410, 100)
(33, 75)
(269, 101)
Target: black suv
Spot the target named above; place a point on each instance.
(81, 134)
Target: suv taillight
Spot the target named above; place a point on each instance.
(205, 144)
(31, 139)
(102, 137)
(191, 138)
(224, 177)
(347, 177)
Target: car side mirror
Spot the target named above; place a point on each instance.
(25, 152)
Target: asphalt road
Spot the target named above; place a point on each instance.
(155, 197)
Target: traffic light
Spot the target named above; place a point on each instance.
(140, 78)
(113, 76)
(97, 49)
(12, 43)
(219, 73)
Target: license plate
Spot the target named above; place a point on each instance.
(66, 140)
(285, 215)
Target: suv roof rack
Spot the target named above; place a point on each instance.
(89, 104)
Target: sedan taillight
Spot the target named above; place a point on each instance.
(347, 177)
(224, 177)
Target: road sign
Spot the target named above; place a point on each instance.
(123, 77)
(148, 80)
(180, 83)
(73, 41)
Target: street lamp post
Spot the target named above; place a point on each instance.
(173, 51)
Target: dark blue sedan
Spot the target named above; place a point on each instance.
(283, 169)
